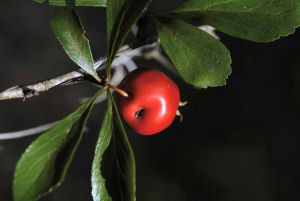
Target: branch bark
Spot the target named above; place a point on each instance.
(28, 91)
(35, 89)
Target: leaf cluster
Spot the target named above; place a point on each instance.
(201, 60)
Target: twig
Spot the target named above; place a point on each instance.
(27, 132)
(125, 54)
(156, 54)
(79, 75)
(35, 89)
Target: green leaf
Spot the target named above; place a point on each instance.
(112, 11)
(44, 164)
(73, 2)
(121, 16)
(67, 27)
(121, 182)
(201, 59)
(99, 191)
(124, 158)
(256, 20)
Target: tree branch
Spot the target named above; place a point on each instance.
(26, 132)
(28, 91)
(35, 89)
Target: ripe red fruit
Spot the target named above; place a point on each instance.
(152, 102)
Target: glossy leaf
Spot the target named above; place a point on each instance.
(124, 161)
(121, 16)
(73, 2)
(256, 20)
(112, 11)
(201, 59)
(99, 191)
(68, 29)
(121, 181)
(44, 164)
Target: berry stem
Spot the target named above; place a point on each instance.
(120, 91)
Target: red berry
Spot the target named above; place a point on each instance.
(152, 102)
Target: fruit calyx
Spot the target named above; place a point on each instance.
(178, 113)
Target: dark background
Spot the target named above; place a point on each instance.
(236, 143)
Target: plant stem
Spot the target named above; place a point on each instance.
(120, 91)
